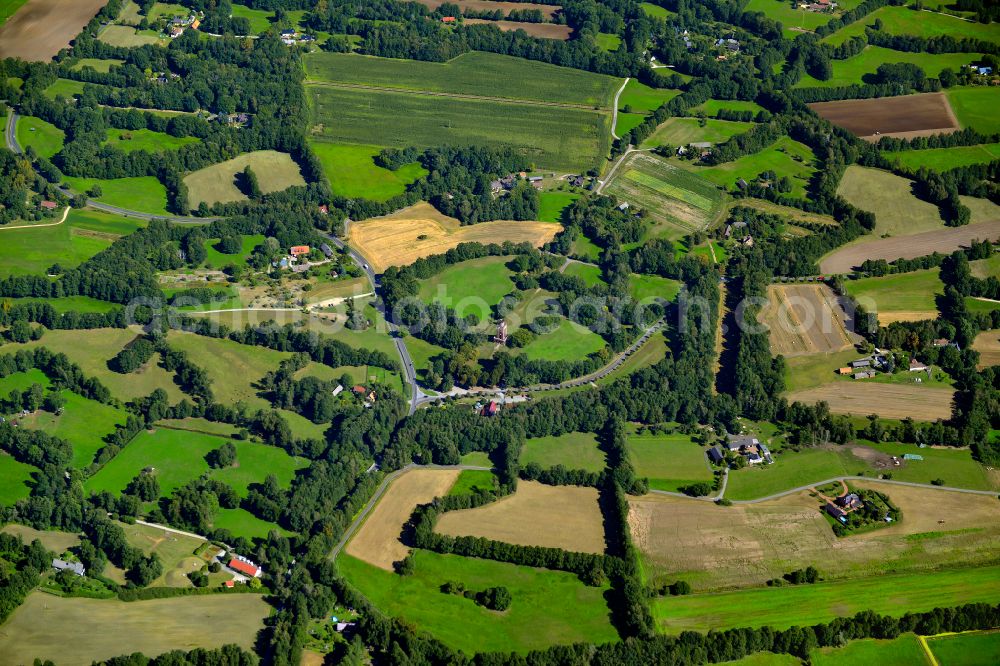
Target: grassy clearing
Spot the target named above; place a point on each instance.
(669, 461)
(8, 8)
(906, 21)
(44, 137)
(627, 122)
(148, 140)
(51, 539)
(785, 157)
(551, 204)
(260, 20)
(903, 651)
(782, 607)
(15, 479)
(643, 287)
(978, 648)
(473, 481)
(75, 631)
(353, 173)
(176, 551)
(945, 159)
(178, 456)
(655, 11)
(608, 41)
(71, 303)
(794, 20)
(790, 469)
(470, 286)
(568, 342)
(216, 259)
(102, 65)
(145, 194)
(548, 607)
(914, 292)
(574, 450)
(587, 272)
(853, 70)
(242, 523)
(975, 107)
(712, 107)
(127, 36)
(642, 98)
(216, 184)
(84, 423)
(570, 139)
(67, 88)
(509, 77)
(587, 248)
(955, 466)
(897, 211)
(682, 131)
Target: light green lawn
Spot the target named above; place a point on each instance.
(148, 140)
(589, 273)
(906, 21)
(655, 11)
(905, 292)
(903, 651)
(552, 203)
(102, 65)
(790, 469)
(682, 131)
(353, 173)
(897, 211)
(421, 353)
(67, 88)
(980, 648)
(242, 523)
(712, 107)
(44, 137)
(15, 478)
(642, 287)
(8, 8)
(145, 194)
(643, 98)
(586, 248)
(976, 107)
(472, 286)
(569, 342)
(669, 461)
(608, 41)
(786, 157)
(260, 19)
(473, 481)
(84, 423)
(627, 122)
(955, 466)
(573, 450)
(852, 70)
(548, 607)
(216, 259)
(71, 303)
(945, 159)
(794, 20)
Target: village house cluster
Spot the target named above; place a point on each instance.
(750, 449)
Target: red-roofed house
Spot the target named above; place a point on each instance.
(324, 209)
(358, 389)
(49, 205)
(491, 409)
(447, 19)
(299, 250)
(229, 583)
(244, 567)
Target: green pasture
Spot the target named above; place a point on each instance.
(853, 70)
(126, 36)
(44, 137)
(903, 292)
(166, 10)
(477, 458)
(569, 139)
(15, 479)
(642, 287)
(473, 481)
(568, 342)
(242, 523)
(975, 107)
(102, 65)
(481, 283)
(587, 248)
(644, 99)
(31, 251)
(216, 259)
(589, 273)
(260, 19)
(785, 157)
(790, 470)
(145, 194)
(548, 607)
(682, 131)
(474, 73)
(712, 107)
(353, 173)
(897, 211)
(655, 11)
(84, 423)
(67, 88)
(178, 456)
(552, 203)
(794, 20)
(978, 648)
(275, 172)
(903, 651)
(956, 466)
(907, 21)
(627, 122)
(668, 461)
(608, 41)
(984, 268)
(573, 450)
(945, 159)
(148, 140)
(803, 605)
(8, 8)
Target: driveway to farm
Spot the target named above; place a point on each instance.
(377, 495)
(36, 226)
(12, 144)
(614, 115)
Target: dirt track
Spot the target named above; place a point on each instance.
(41, 28)
(908, 247)
(910, 115)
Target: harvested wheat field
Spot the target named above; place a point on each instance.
(807, 319)
(377, 542)
(548, 11)
(745, 545)
(566, 517)
(420, 231)
(543, 30)
(886, 318)
(987, 344)
(907, 116)
(890, 401)
(39, 29)
(908, 247)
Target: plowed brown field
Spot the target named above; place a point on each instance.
(908, 115)
(39, 29)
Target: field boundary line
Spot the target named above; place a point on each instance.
(38, 226)
(468, 96)
(614, 115)
(172, 529)
(931, 659)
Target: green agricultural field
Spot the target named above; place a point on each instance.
(906, 21)
(795, 20)
(473, 481)
(67, 88)
(644, 99)
(15, 479)
(148, 140)
(643, 287)
(674, 199)
(569, 139)
(508, 77)
(477, 458)
(217, 183)
(607, 41)
(31, 251)
(914, 292)
(765, 659)
(242, 523)
(217, 259)
(656, 11)
(587, 248)
(979, 648)
(945, 159)
(260, 19)
(472, 286)
(955, 466)
(84, 423)
(102, 65)
(44, 137)
(976, 108)
(903, 651)
(8, 8)
(589, 273)
(127, 37)
(233, 368)
(785, 157)
(353, 173)
(790, 470)
(178, 456)
(712, 107)
(668, 461)
(552, 203)
(176, 551)
(92, 349)
(165, 10)
(853, 70)
(803, 605)
(548, 607)
(897, 211)
(145, 194)
(984, 268)
(682, 131)
(574, 450)
(569, 342)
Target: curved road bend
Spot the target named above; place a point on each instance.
(614, 114)
(377, 495)
(11, 137)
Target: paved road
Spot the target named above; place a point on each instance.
(11, 138)
(614, 114)
(377, 495)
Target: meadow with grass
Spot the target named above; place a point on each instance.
(573, 450)
(945, 159)
(678, 132)
(145, 194)
(44, 137)
(352, 172)
(785, 157)
(854, 70)
(669, 461)
(900, 297)
(478, 282)
(567, 342)
(975, 107)
(148, 140)
(908, 21)
(275, 172)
